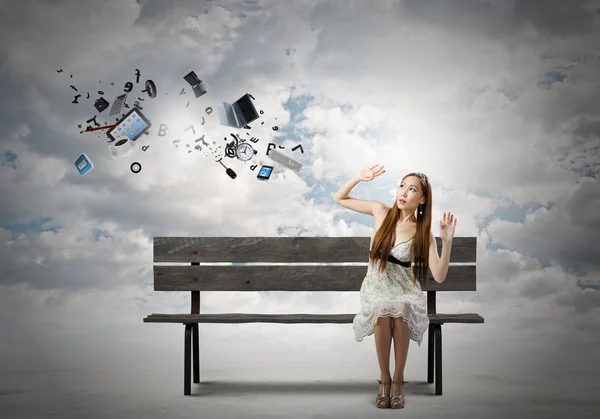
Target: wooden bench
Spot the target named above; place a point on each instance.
(196, 278)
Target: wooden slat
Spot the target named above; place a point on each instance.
(291, 318)
(289, 278)
(285, 249)
(249, 318)
(455, 318)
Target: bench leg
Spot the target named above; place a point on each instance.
(430, 354)
(438, 359)
(196, 346)
(187, 358)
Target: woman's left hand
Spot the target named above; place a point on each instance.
(447, 225)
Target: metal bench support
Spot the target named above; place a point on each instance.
(430, 354)
(437, 332)
(187, 361)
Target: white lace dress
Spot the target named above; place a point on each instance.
(391, 293)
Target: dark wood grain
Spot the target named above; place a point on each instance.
(290, 318)
(438, 318)
(285, 249)
(288, 278)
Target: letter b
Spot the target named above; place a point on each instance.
(162, 131)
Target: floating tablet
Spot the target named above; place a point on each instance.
(132, 125)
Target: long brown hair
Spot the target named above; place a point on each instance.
(419, 249)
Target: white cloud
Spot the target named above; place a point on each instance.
(389, 85)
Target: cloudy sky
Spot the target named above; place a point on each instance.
(496, 101)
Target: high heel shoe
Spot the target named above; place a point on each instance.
(382, 401)
(397, 401)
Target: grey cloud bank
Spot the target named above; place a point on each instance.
(495, 101)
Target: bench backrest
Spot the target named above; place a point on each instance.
(198, 276)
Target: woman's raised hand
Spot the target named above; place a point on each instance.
(370, 173)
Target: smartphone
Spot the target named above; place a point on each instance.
(83, 164)
(265, 173)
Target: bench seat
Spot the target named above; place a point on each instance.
(290, 264)
(291, 318)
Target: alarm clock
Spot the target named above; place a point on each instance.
(245, 152)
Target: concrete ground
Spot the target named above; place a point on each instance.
(282, 393)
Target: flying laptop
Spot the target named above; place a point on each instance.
(238, 114)
(198, 86)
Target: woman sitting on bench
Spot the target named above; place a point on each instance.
(393, 305)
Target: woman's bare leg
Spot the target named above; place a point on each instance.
(401, 335)
(383, 345)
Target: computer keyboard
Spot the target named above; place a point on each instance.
(118, 104)
(284, 160)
